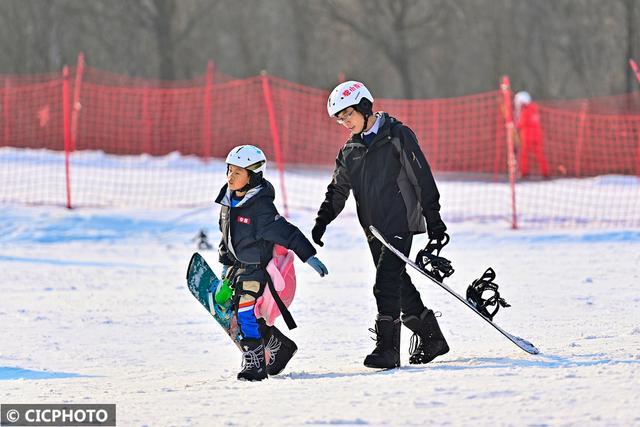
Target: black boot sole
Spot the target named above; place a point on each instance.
(379, 366)
(252, 380)
(382, 368)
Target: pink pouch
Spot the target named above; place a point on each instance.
(283, 275)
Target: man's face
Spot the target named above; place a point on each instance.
(350, 119)
(237, 177)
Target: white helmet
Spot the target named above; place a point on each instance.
(522, 98)
(248, 157)
(348, 94)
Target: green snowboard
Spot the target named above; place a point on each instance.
(202, 283)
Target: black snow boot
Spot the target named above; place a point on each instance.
(427, 341)
(279, 349)
(254, 366)
(386, 355)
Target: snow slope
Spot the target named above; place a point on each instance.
(94, 308)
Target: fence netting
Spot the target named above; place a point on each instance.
(88, 137)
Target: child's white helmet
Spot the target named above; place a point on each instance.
(522, 98)
(248, 157)
(349, 94)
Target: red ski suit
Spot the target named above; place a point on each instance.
(530, 139)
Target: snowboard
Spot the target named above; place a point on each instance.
(520, 342)
(202, 283)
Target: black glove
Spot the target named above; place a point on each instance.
(318, 232)
(435, 226)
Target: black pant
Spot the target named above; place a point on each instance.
(393, 289)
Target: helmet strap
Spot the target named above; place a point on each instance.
(366, 122)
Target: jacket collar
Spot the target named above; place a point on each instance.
(264, 189)
(384, 130)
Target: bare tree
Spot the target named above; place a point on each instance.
(390, 28)
(29, 36)
(167, 22)
(404, 48)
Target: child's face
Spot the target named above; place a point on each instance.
(237, 177)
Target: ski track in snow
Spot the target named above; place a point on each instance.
(95, 308)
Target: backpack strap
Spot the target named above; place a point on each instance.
(286, 315)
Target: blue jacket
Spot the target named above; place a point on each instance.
(250, 230)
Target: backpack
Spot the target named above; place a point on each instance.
(280, 289)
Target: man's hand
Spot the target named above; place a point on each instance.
(435, 226)
(318, 232)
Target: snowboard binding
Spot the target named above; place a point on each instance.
(488, 307)
(430, 261)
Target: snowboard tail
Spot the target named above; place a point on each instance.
(520, 342)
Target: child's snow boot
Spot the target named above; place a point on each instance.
(254, 366)
(427, 341)
(386, 355)
(279, 349)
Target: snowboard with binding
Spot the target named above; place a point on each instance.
(203, 283)
(520, 342)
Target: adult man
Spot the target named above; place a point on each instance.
(395, 191)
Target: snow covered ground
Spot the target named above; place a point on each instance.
(94, 309)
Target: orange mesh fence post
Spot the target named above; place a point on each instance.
(580, 140)
(275, 137)
(6, 112)
(511, 158)
(637, 131)
(75, 112)
(67, 132)
(636, 72)
(146, 122)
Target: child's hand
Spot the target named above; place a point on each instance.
(318, 266)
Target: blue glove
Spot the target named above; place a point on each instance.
(318, 266)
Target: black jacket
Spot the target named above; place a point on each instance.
(250, 230)
(391, 182)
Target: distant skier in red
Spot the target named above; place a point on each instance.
(528, 124)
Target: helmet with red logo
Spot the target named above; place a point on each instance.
(350, 94)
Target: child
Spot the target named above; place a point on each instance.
(250, 226)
